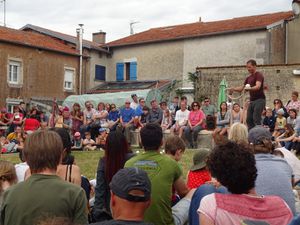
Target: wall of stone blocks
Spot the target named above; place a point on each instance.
(279, 81)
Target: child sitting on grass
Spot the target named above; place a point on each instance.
(88, 143)
(101, 139)
(77, 142)
(280, 123)
(269, 120)
(198, 173)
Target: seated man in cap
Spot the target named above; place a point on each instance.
(130, 197)
(274, 174)
(43, 194)
(164, 173)
(126, 119)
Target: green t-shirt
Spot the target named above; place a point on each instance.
(209, 110)
(40, 197)
(163, 172)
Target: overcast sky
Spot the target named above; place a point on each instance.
(114, 16)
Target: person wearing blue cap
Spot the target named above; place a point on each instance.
(130, 197)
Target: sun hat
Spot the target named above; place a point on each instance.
(199, 159)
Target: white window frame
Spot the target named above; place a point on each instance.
(71, 80)
(11, 102)
(18, 64)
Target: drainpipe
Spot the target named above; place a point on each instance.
(286, 41)
(80, 36)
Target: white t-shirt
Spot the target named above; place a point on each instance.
(182, 117)
(134, 105)
(21, 170)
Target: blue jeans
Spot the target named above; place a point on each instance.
(202, 191)
(192, 135)
(295, 221)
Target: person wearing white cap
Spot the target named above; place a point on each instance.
(280, 123)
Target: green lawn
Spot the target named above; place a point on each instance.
(88, 161)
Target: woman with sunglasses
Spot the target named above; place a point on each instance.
(279, 105)
(195, 123)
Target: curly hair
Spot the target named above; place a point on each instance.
(233, 165)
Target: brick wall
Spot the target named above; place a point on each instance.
(279, 80)
(43, 73)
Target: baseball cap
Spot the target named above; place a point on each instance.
(128, 179)
(199, 159)
(280, 111)
(257, 134)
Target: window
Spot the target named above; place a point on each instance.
(120, 71)
(130, 71)
(100, 72)
(14, 76)
(11, 103)
(69, 79)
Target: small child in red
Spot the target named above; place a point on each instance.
(198, 173)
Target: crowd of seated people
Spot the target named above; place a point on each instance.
(178, 117)
(152, 189)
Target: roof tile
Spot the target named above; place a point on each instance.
(34, 40)
(202, 29)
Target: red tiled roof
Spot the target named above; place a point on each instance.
(62, 36)
(34, 40)
(202, 29)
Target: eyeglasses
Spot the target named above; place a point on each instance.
(127, 103)
(206, 101)
(276, 103)
(195, 105)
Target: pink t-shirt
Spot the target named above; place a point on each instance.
(242, 209)
(293, 105)
(196, 116)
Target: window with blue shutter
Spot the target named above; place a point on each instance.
(133, 71)
(100, 72)
(120, 71)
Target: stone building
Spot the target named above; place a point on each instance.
(174, 51)
(35, 66)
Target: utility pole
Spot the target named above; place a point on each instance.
(4, 12)
(80, 38)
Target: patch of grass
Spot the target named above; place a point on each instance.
(88, 161)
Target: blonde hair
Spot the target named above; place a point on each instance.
(7, 173)
(238, 133)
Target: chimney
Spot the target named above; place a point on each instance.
(99, 37)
